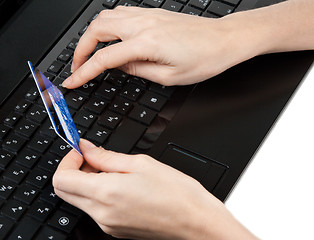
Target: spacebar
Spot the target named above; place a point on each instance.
(126, 136)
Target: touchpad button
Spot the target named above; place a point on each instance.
(193, 165)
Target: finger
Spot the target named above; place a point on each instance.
(156, 72)
(69, 178)
(109, 57)
(121, 12)
(107, 161)
(88, 168)
(100, 30)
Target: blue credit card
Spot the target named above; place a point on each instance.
(57, 109)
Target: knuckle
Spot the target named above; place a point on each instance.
(119, 7)
(100, 58)
(94, 25)
(104, 14)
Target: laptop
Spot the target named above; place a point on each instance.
(209, 130)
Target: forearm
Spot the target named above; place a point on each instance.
(287, 26)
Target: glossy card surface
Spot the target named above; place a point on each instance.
(57, 109)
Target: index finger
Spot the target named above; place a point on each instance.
(109, 57)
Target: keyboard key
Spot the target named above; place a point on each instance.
(72, 45)
(49, 162)
(126, 136)
(49, 76)
(38, 178)
(14, 209)
(172, 6)
(25, 230)
(109, 3)
(26, 194)
(81, 131)
(4, 130)
(232, 2)
(11, 119)
(93, 17)
(100, 78)
(209, 15)
(143, 115)
(6, 226)
(27, 158)
(127, 3)
(15, 173)
(131, 92)
(55, 67)
(6, 189)
(95, 105)
(98, 47)
(98, 134)
(201, 4)
(65, 56)
(219, 8)
(107, 91)
(87, 89)
(121, 106)
(109, 120)
(154, 3)
(60, 148)
(74, 100)
(5, 158)
(143, 83)
(32, 94)
(66, 72)
(40, 210)
(47, 233)
(37, 113)
(162, 90)
(26, 128)
(39, 143)
(71, 209)
(83, 30)
(84, 118)
(22, 106)
(47, 129)
(153, 101)
(49, 195)
(63, 221)
(117, 77)
(192, 11)
(58, 82)
(13, 143)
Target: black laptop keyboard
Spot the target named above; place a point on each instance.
(114, 110)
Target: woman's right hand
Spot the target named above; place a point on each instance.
(165, 47)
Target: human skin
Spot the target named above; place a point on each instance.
(178, 49)
(135, 196)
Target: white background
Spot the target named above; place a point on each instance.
(274, 198)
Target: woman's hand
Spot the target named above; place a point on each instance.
(166, 47)
(135, 196)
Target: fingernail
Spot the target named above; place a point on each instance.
(73, 67)
(87, 144)
(67, 82)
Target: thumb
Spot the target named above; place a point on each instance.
(104, 160)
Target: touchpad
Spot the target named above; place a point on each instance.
(205, 170)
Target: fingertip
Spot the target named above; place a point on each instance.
(67, 82)
(86, 145)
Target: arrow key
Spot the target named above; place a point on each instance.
(25, 230)
(50, 234)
